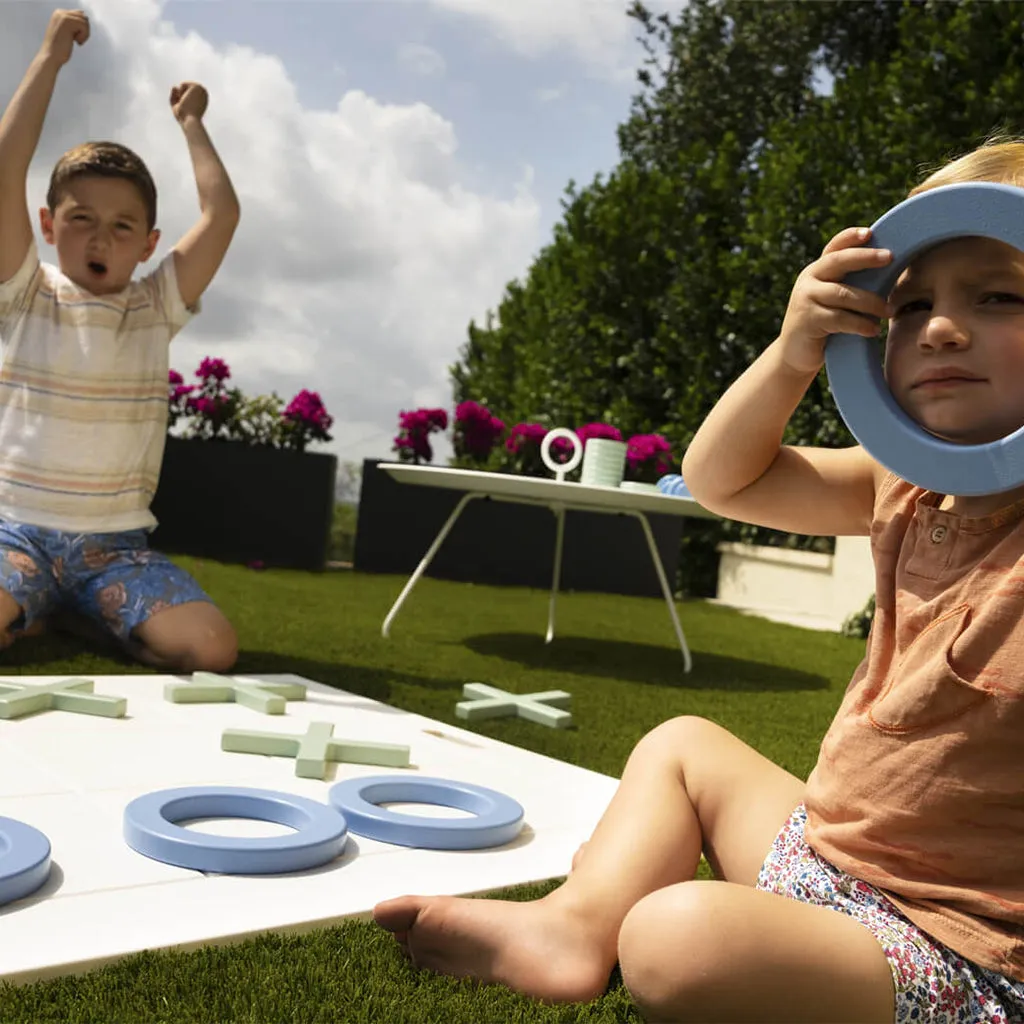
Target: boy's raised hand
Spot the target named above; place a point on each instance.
(188, 100)
(820, 304)
(64, 30)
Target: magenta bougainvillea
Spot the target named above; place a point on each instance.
(476, 431)
(306, 417)
(594, 430)
(412, 443)
(212, 411)
(648, 457)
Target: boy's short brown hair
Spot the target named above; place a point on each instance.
(106, 160)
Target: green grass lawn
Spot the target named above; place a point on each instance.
(775, 686)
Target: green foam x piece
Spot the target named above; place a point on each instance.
(18, 699)
(313, 750)
(544, 708)
(210, 688)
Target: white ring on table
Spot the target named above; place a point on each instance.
(561, 468)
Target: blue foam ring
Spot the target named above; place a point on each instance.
(672, 484)
(150, 829)
(24, 860)
(498, 818)
(883, 429)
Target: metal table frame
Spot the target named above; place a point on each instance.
(608, 501)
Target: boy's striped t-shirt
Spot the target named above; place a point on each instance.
(83, 397)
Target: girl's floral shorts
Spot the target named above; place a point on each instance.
(933, 984)
(112, 578)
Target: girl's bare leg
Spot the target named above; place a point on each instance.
(688, 785)
(716, 951)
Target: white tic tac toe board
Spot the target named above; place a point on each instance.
(71, 775)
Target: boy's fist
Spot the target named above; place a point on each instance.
(188, 100)
(65, 29)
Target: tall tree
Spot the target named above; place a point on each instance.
(663, 281)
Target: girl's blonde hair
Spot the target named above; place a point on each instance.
(999, 159)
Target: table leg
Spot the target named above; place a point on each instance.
(665, 589)
(556, 570)
(425, 561)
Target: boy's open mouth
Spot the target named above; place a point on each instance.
(98, 268)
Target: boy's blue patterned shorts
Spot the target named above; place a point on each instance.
(113, 578)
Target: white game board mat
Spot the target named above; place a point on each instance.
(71, 776)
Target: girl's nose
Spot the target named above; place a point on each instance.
(944, 331)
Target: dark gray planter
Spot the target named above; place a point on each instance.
(499, 542)
(235, 502)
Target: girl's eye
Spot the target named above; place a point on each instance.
(913, 306)
(1001, 297)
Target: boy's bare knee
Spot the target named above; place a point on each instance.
(187, 639)
(214, 653)
(213, 648)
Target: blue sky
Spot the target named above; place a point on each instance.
(398, 162)
(550, 110)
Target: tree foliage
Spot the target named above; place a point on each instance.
(664, 280)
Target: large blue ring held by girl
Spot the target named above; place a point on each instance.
(883, 429)
(150, 828)
(497, 819)
(24, 860)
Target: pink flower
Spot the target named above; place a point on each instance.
(415, 427)
(215, 368)
(649, 455)
(307, 408)
(591, 430)
(476, 430)
(523, 434)
(173, 377)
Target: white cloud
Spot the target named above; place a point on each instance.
(361, 255)
(421, 60)
(598, 32)
(551, 94)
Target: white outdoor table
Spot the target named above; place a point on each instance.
(556, 495)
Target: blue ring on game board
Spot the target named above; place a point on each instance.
(497, 820)
(24, 860)
(150, 829)
(884, 430)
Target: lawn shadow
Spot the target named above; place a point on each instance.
(52, 651)
(641, 663)
(375, 683)
(55, 653)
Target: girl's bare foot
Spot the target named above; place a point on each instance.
(537, 948)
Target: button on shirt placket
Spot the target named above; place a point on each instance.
(933, 548)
